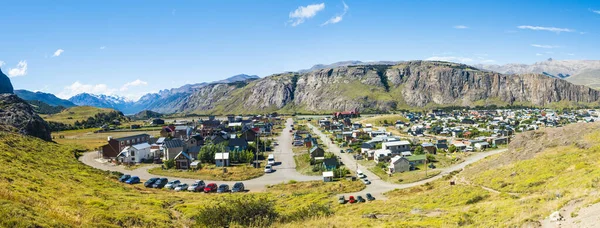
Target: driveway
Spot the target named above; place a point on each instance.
(285, 171)
(378, 186)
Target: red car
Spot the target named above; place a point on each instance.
(212, 187)
(351, 199)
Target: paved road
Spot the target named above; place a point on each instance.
(285, 171)
(378, 186)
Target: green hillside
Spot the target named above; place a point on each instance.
(78, 113)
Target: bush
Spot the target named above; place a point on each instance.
(169, 163)
(244, 211)
(382, 165)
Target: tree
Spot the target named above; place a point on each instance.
(169, 163)
(431, 158)
(452, 148)
(419, 150)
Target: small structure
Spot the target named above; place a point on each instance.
(398, 164)
(135, 153)
(330, 163)
(195, 165)
(429, 147)
(328, 176)
(482, 145)
(396, 146)
(171, 148)
(182, 160)
(222, 159)
(316, 152)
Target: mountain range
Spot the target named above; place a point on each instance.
(47, 98)
(375, 86)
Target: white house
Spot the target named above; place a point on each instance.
(381, 155)
(135, 153)
(222, 159)
(398, 164)
(396, 146)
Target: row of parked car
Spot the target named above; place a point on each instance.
(176, 185)
(358, 199)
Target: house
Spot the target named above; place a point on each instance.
(216, 139)
(467, 121)
(249, 135)
(157, 121)
(482, 145)
(417, 159)
(374, 134)
(396, 146)
(429, 147)
(135, 126)
(193, 151)
(115, 146)
(328, 176)
(381, 155)
(194, 140)
(346, 114)
(135, 154)
(171, 148)
(366, 147)
(316, 151)
(500, 141)
(398, 164)
(167, 131)
(330, 164)
(237, 143)
(182, 132)
(183, 160)
(222, 159)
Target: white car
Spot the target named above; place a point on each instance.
(268, 169)
(362, 176)
(365, 181)
(172, 184)
(181, 187)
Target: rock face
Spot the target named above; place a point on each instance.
(381, 88)
(5, 85)
(18, 116)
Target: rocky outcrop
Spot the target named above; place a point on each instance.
(381, 88)
(5, 85)
(19, 117)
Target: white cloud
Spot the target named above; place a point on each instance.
(549, 29)
(337, 18)
(103, 47)
(461, 27)
(1, 63)
(302, 13)
(544, 46)
(137, 82)
(450, 59)
(595, 11)
(20, 70)
(78, 87)
(58, 52)
(538, 54)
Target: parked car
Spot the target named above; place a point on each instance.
(160, 183)
(342, 200)
(370, 197)
(362, 175)
(212, 187)
(197, 186)
(133, 180)
(342, 151)
(223, 188)
(268, 169)
(172, 184)
(360, 199)
(181, 187)
(150, 182)
(351, 199)
(366, 181)
(349, 151)
(124, 178)
(238, 187)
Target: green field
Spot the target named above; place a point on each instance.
(210, 172)
(78, 113)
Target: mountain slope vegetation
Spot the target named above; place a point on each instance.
(47, 98)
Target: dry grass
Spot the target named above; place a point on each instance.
(78, 113)
(380, 120)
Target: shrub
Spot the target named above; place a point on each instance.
(244, 211)
(169, 163)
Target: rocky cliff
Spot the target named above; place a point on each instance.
(18, 116)
(382, 88)
(5, 85)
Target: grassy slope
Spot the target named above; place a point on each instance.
(75, 113)
(42, 184)
(529, 177)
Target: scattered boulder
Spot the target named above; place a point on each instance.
(18, 116)
(371, 216)
(556, 216)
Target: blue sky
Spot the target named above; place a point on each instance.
(129, 48)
